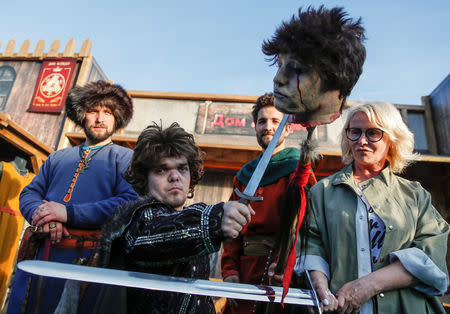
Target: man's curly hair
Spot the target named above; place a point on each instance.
(100, 93)
(261, 102)
(155, 143)
(326, 41)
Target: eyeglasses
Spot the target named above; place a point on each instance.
(373, 135)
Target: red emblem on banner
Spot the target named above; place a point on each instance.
(52, 86)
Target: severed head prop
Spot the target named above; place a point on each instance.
(320, 55)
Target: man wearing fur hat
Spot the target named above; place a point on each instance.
(76, 189)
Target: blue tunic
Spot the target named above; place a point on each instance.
(97, 192)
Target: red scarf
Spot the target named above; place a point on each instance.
(301, 177)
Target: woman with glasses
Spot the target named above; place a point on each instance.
(376, 243)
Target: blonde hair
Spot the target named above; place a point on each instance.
(386, 117)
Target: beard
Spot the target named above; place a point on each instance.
(95, 137)
(264, 142)
(175, 202)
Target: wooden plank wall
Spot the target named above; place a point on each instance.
(435, 178)
(439, 186)
(96, 73)
(215, 187)
(439, 100)
(46, 127)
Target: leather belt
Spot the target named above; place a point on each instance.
(80, 239)
(258, 244)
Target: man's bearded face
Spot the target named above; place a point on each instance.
(99, 124)
(297, 90)
(266, 125)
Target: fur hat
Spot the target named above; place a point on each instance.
(100, 93)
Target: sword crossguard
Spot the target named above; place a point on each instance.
(244, 198)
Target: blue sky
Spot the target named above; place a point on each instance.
(215, 46)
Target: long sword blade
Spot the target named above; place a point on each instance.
(253, 184)
(166, 283)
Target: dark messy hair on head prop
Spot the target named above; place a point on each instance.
(324, 40)
(155, 143)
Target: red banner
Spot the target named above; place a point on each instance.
(52, 86)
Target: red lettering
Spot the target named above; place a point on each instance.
(238, 122)
(229, 121)
(218, 120)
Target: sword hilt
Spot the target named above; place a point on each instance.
(245, 198)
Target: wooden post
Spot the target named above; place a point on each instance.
(85, 50)
(35, 164)
(70, 48)
(9, 50)
(429, 126)
(54, 49)
(39, 49)
(23, 51)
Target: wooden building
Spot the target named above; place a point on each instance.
(221, 124)
(19, 73)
